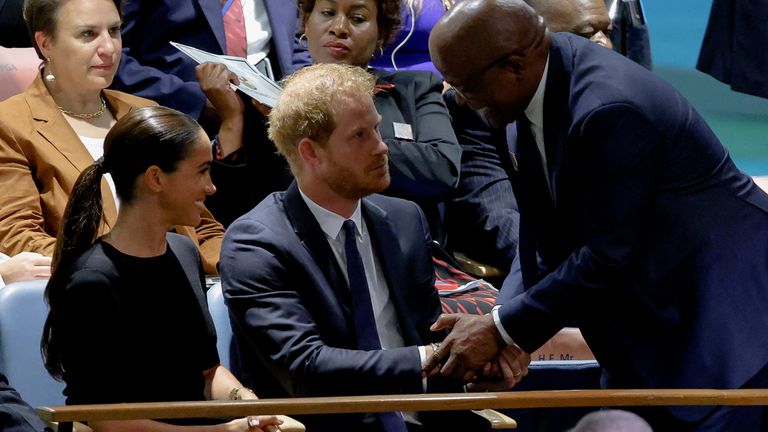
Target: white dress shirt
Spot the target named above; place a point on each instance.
(535, 114)
(258, 32)
(387, 324)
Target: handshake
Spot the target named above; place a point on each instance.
(475, 353)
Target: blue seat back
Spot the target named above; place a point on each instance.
(220, 316)
(22, 315)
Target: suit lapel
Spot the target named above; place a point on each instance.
(390, 255)
(557, 116)
(282, 21)
(313, 239)
(55, 129)
(212, 11)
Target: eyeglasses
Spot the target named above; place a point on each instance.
(477, 77)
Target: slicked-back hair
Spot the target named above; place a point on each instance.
(145, 137)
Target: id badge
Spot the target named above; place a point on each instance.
(403, 131)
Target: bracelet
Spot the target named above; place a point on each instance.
(435, 351)
(234, 394)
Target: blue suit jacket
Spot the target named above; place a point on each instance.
(733, 49)
(655, 243)
(290, 303)
(481, 217)
(15, 414)
(152, 68)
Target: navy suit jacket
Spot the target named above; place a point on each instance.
(154, 69)
(655, 243)
(290, 303)
(481, 216)
(15, 414)
(13, 31)
(733, 49)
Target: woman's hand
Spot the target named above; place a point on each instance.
(25, 266)
(255, 424)
(215, 80)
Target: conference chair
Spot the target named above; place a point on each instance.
(22, 315)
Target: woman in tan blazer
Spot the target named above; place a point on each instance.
(54, 130)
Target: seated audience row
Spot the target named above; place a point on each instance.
(339, 293)
(109, 333)
(424, 155)
(632, 217)
(55, 129)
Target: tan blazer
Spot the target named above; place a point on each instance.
(41, 157)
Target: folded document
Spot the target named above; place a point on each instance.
(252, 82)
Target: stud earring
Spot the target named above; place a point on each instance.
(49, 76)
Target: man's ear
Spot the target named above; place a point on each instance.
(154, 178)
(309, 152)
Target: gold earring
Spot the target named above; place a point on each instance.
(303, 37)
(49, 76)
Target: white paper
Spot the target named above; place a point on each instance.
(252, 82)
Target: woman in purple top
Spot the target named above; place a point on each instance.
(410, 49)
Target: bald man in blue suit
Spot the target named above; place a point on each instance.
(634, 221)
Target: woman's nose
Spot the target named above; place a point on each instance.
(340, 26)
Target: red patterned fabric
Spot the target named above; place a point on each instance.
(234, 28)
(462, 293)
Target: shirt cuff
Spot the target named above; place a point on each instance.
(499, 327)
(423, 358)
(2, 282)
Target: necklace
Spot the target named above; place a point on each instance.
(87, 116)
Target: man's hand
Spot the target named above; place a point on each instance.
(472, 343)
(512, 366)
(25, 266)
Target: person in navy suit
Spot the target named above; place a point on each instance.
(482, 217)
(152, 68)
(311, 316)
(635, 222)
(13, 30)
(15, 414)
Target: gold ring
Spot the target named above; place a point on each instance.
(517, 374)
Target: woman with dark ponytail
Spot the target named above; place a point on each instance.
(55, 129)
(128, 320)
